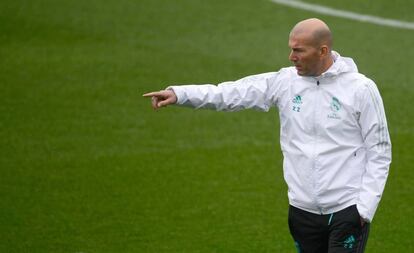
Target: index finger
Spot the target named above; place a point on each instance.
(151, 94)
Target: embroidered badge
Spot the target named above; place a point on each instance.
(335, 108)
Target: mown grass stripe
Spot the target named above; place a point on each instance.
(346, 14)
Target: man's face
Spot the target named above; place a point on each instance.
(305, 55)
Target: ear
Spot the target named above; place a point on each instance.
(324, 50)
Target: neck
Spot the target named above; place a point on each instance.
(326, 64)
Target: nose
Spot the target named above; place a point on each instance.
(292, 56)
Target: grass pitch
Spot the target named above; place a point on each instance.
(87, 166)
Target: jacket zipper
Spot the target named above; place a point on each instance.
(315, 132)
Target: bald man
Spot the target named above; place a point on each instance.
(333, 136)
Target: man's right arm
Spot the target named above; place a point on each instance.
(256, 92)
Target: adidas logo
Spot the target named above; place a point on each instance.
(349, 242)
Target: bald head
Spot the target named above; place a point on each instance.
(315, 31)
(311, 47)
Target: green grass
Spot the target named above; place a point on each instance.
(87, 166)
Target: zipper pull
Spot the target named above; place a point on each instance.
(317, 82)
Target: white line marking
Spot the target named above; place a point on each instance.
(346, 14)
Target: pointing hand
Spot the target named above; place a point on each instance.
(161, 98)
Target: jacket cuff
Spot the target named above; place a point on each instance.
(363, 212)
(179, 93)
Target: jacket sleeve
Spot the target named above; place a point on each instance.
(257, 92)
(378, 146)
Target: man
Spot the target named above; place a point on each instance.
(334, 137)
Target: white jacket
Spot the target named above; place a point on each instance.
(333, 136)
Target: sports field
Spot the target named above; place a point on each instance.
(87, 166)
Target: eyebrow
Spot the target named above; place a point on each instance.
(297, 49)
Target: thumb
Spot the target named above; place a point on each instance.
(163, 103)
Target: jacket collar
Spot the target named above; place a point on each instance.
(340, 65)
